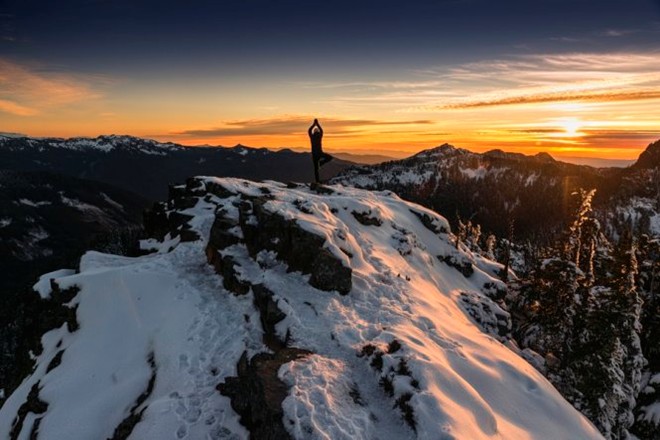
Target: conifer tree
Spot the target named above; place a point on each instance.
(583, 311)
(647, 425)
(491, 242)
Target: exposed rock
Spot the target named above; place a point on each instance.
(55, 362)
(300, 249)
(257, 393)
(187, 234)
(209, 187)
(320, 189)
(33, 317)
(33, 404)
(367, 219)
(183, 202)
(487, 314)
(176, 191)
(270, 314)
(226, 266)
(429, 222)
(163, 218)
(155, 221)
(494, 290)
(329, 273)
(125, 428)
(221, 237)
(462, 265)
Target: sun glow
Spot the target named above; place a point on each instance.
(571, 127)
(526, 107)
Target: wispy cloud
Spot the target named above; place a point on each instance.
(27, 91)
(291, 125)
(534, 79)
(615, 33)
(582, 96)
(16, 109)
(527, 79)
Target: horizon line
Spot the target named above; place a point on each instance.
(401, 154)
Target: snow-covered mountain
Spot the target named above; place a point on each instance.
(273, 311)
(496, 188)
(103, 143)
(146, 166)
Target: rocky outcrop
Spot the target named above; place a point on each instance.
(126, 426)
(163, 219)
(33, 405)
(257, 228)
(262, 230)
(257, 393)
(650, 158)
(32, 317)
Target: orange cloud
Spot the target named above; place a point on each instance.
(16, 109)
(26, 91)
(291, 125)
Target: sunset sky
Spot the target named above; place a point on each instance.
(571, 77)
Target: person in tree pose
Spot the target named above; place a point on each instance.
(319, 158)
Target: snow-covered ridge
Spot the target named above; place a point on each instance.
(108, 143)
(104, 143)
(428, 167)
(354, 308)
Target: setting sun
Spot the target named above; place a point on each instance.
(571, 127)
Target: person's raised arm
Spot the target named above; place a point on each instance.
(311, 127)
(319, 126)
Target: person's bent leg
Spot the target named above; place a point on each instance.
(325, 158)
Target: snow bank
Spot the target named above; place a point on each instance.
(400, 356)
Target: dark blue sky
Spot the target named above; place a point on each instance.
(120, 35)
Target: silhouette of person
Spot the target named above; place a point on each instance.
(318, 156)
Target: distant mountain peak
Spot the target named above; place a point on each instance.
(539, 157)
(443, 150)
(544, 157)
(499, 153)
(650, 158)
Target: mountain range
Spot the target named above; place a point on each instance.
(265, 242)
(497, 189)
(146, 167)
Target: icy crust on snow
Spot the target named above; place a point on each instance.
(398, 357)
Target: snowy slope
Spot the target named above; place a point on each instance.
(396, 353)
